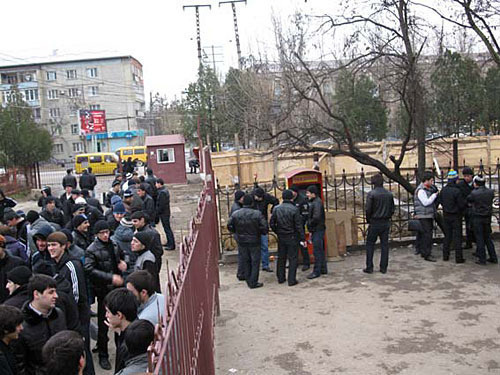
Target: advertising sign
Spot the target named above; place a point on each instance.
(92, 121)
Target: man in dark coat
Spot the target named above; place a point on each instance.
(286, 222)
(262, 201)
(18, 223)
(151, 180)
(141, 225)
(316, 225)
(42, 319)
(301, 203)
(466, 186)
(5, 202)
(149, 203)
(88, 180)
(453, 203)
(81, 235)
(104, 265)
(11, 320)
(114, 191)
(69, 179)
(51, 213)
(163, 212)
(17, 284)
(7, 263)
(379, 210)
(94, 202)
(481, 200)
(46, 194)
(67, 202)
(249, 225)
(238, 204)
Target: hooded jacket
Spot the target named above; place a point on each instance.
(16, 248)
(122, 237)
(38, 226)
(6, 202)
(37, 330)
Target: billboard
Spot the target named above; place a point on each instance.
(92, 121)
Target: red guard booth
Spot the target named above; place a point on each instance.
(303, 178)
(166, 157)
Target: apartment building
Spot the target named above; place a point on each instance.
(56, 91)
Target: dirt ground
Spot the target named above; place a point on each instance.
(419, 318)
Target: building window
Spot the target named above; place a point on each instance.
(75, 129)
(71, 74)
(7, 96)
(92, 72)
(77, 147)
(58, 148)
(165, 155)
(93, 90)
(51, 76)
(28, 77)
(74, 113)
(12, 79)
(55, 130)
(95, 107)
(73, 92)
(53, 94)
(31, 95)
(54, 112)
(37, 113)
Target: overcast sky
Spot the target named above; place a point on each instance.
(157, 32)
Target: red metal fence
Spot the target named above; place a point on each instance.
(185, 342)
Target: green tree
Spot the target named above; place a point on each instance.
(457, 94)
(22, 141)
(359, 103)
(492, 100)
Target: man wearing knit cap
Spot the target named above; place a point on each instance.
(17, 284)
(81, 235)
(262, 201)
(104, 264)
(248, 225)
(113, 192)
(145, 259)
(466, 186)
(286, 222)
(7, 263)
(41, 257)
(36, 222)
(118, 214)
(481, 200)
(316, 225)
(453, 203)
(71, 270)
(301, 203)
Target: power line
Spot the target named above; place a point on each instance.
(236, 32)
(198, 31)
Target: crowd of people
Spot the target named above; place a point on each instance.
(463, 201)
(57, 262)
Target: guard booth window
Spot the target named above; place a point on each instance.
(165, 155)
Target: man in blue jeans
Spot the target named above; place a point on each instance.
(261, 203)
(316, 226)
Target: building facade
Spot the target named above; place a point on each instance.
(57, 91)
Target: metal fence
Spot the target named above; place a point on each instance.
(348, 193)
(184, 343)
(15, 180)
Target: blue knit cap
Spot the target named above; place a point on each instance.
(452, 175)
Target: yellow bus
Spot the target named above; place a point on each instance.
(101, 162)
(137, 153)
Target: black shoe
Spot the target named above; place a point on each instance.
(258, 285)
(459, 261)
(480, 263)
(474, 254)
(383, 271)
(468, 246)
(367, 270)
(169, 248)
(305, 267)
(267, 269)
(417, 252)
(324, 272)
(104, 363)
(95, 349)
(494, 261)
(430, 258)
(446, 258)
(93, 314)
(313, 275)
(281, 281)
(293, 283)
(241, 278)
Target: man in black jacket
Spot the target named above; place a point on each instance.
(481, 199)
(140, 223)
(286, 222)
(379, 209)
(149, 203)
(71, 270)
(93, 202)
(69, 179)
(81, 236)
(163, 212)
(104, 265)
(301, 203)
(316, 225)
(466, 187)
(17, 284)
(249, 225)
(51, 213)
(5, 202)
(11, 320)
(237, 205)
(453, 203)
(262, 201)
(42, 319)
(88, 180)
(7, 263)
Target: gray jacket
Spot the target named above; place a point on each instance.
(135, 365)
(149, 310)
(421, 211)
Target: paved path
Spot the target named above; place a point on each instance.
(419, 318)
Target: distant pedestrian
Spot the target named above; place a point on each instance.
(316, 225)
(88, 180)
(379, 210)
(466, 186)
(69, 179)
(149, 204)
(249, 225)
(301, 203)
(425, 212)
(237, 205)
(163, 212)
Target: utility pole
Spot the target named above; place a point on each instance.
(198, 32)
(236, 33)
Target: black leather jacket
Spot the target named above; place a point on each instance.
(248, 225)
(87, 181)
(82, 240)
(235, 207)
(481, 200)
(379, 204)
(316, 219)
(163, 201)
(452, 199)
(286, 221)
(262, 205)
(303, 205)
(101, 263)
